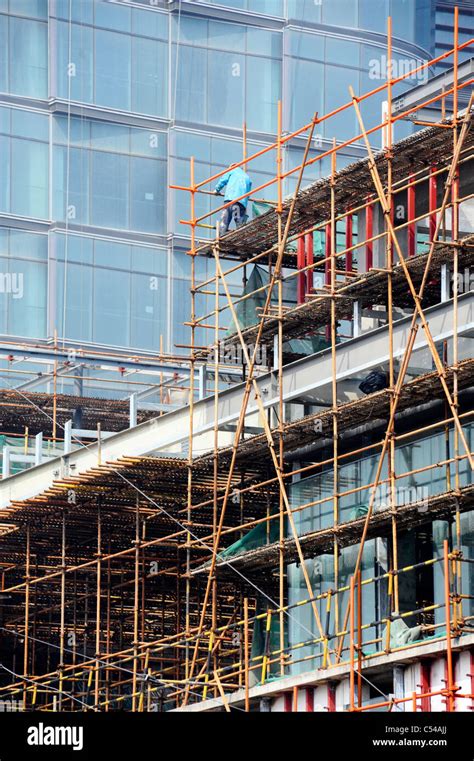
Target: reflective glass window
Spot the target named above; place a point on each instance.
(28, 57)
(112, 69)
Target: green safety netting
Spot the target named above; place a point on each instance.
(17, 443)
(262, 641)
(257, 537)
(259, 208)
(247, 311)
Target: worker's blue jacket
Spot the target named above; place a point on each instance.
(236, 183)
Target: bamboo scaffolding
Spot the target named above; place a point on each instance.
(146, 636)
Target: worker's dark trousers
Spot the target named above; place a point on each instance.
(235, 212)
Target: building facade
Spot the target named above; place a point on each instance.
(101, 106)
(444, 29)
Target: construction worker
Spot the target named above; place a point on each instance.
(236, 183)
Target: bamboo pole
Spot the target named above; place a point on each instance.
(98, 607)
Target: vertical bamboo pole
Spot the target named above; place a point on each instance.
(455, 239)
(62, 628)
(98, 608)
(215, 503)
(449, 651)
(246, 653)
(455, 67)
(359, 639)
(108, 630)
(281, 506)
(27, 614)
(351, 645)
(389, 267)
(335, 431)
(55, 383)
(192, 253)
(136, 600)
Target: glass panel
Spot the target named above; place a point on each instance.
(373, 15)
(305, 45)
(4, 78)
(74, 73)
(29, 178)
(340, 13)
(82, 11)
(191, 100)
(111, 307)
(150, 23)
(25, 245)
(78, 288)
(263, 93)
(109, 190)
(78, 202)
(112, 16)
(342, 52)
(33, 8)
(307, 87)
(147, 195)
(112, 254)
(262, 42)
(338, 79)
(149, 260)
(113, 69)
(148, 142)
(403, 19)
(148, 311)
(226, 89)
(76, 248)
(5, 167)
(110, 137)
(29, 124)
(149, 76)
(28, 58)
(27, 302)
(306, 10)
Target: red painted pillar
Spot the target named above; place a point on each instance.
(349, 241)
(331, 697)
(369, 231)
(309, 260)
(425, 685)
(327, 256)
(432, 201)
(410, 217)
(301, 280)
(327, 269)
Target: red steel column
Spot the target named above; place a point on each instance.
(432, 201)
(369, 231)
(327, 268)
(309, 260)
(349, 239)
(301, 280)
(327, 256)
(410, 217)
(425, 685)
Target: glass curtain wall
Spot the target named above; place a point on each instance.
(101, 106)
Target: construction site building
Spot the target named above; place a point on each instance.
(297, 532)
